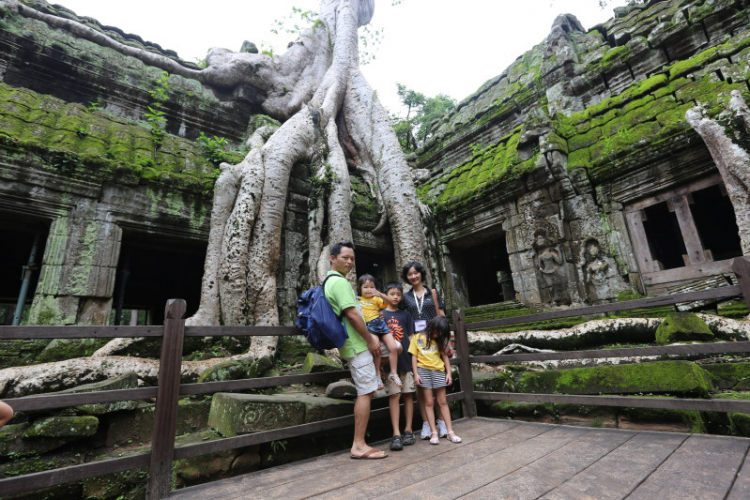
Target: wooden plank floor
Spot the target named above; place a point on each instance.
(501, 459)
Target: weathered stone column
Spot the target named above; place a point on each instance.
(78, 269)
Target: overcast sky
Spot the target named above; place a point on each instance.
(432, 46)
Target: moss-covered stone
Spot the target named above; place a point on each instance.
(63, 427)
(228, 370)
(739, 423)
(681, 326)
(524, 411)
(729, 376)
(315, 363)
(692, 420)
(20, 352)
(72, 140)
(732, 309)
(12, 443)
(126, 381)
(136, 427)
(62, 349)
(673, 377)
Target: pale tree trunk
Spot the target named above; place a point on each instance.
(332, 119)
(727, 143)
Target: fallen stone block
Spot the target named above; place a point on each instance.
(127, 381)
(63, 427)
(315, 363)
(673, 377)
(235, 414)
(679, 327)
(341, 389)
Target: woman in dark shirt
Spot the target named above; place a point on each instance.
(419, 301)
(421, 305)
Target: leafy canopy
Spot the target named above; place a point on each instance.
(413, 131)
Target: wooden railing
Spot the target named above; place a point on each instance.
(741, 268)
(169, 390)
(163, 451)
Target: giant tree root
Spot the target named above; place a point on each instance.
(596, 333)
(50, 377)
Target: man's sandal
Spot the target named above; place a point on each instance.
(434, 439)
(371, 454)
(453, 438)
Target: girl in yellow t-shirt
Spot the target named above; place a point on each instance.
(371, 302)
(432, 373)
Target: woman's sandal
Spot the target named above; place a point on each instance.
(434, 439)
(452, 437)
(395, 379)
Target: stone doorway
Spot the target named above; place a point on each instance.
(380, 265)
(17, 237)
(684, 234)
(151, 271)
(487, 272)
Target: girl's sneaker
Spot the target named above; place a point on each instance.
(425, 434)
(442, 429)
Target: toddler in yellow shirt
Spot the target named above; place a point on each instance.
(371, 301)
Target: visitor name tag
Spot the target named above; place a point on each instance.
(420, 325)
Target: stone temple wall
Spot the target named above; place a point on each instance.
(566, 152)
(560, 160)
(79, 165)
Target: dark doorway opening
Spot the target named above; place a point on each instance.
(379, 265)
(716, 223)
(150, 272)
(18, 237)
(487, 270)
(664, 236)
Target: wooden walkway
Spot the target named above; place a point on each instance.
(501, 459)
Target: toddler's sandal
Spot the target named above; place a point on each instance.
(395, 379)
(434, 439)
(453, 438)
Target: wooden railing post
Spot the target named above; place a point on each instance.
(741, 268)
(464, 366)
(167, 396)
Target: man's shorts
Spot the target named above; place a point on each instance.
(407, 380)
(363, 373)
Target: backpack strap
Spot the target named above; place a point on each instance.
(323, 286)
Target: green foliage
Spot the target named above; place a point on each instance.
(299, 20)
(321, 182)
(155, 116)
(64, 162)
(268, 52)
(214, 148)
(93, 106)
(412, 131)
(296, 22)
(369, 40)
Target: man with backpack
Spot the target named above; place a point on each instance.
(358, 349)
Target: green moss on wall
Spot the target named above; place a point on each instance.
(674, 377)
(79, 142)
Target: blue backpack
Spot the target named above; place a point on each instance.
(317, 321)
